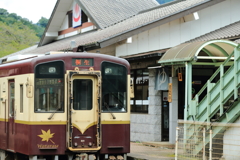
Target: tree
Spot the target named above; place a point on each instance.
(3, 12)
(43, 22)
(17, 33)
(13, 15)
(13, 39)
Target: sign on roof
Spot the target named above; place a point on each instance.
(76, 17)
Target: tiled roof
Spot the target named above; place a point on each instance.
(110, 12)
(231, 31)
(135, 22)
(237, 41)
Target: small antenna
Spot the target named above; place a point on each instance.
(73, 44)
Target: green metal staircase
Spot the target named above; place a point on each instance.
(221, 102)
(218, 94)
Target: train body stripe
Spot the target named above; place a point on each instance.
(115, 122)
(63, 122)
(3, 120)
(41, 122)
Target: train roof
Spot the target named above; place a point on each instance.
(59, 55)
(21, 64)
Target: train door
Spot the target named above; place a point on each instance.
(11, 115)
(84, 115)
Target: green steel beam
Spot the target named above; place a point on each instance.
(226, 64)
(173, 63)
(220, 49)
(212, 64)
(208, 53)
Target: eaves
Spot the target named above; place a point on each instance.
(49, 22)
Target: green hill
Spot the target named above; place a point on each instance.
(17, 33)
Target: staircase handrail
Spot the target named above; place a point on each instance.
(215, 74)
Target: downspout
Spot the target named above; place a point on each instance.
(186, 92)
(188, 89)
(190, 109)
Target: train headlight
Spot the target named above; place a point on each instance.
(52, 70)
(90, 144)
(108, 70)
(75, 144)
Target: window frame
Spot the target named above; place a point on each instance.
(84, 18)
(62, 88)
(92, 92)
(134, 100)
(69, 14)
(21, 97)
(126, 89)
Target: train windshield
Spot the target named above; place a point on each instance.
(82, 94)
(114, 87)
(49, 90)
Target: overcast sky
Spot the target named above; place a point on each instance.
(33, 10)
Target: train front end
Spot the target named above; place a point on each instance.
(98, 120)
(92, 90)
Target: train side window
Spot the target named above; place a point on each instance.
(21, 98)
(114, 87)
(49, 87)
(11, 98)
(1, 99)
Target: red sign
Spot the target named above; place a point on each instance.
(76, 14)
(82, 62)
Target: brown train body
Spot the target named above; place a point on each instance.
(65, 105)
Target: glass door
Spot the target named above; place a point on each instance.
(165, 117)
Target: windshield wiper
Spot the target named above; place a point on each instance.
(54, 113)
(105, 104)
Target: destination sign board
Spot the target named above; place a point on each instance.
(82, 61)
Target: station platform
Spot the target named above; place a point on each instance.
(151, 151)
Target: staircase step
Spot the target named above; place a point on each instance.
(213, 120)
(226, 107)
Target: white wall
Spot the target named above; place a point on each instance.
(231, 147)
(177, 32)
(65, 21)
(65, 24)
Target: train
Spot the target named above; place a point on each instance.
(64, 106)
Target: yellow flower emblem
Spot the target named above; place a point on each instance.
(46, 136)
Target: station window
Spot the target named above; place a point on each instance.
(84, 18)
(69, 14)
(140, 102)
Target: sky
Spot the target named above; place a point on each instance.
(164, 1)
(33, 10)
